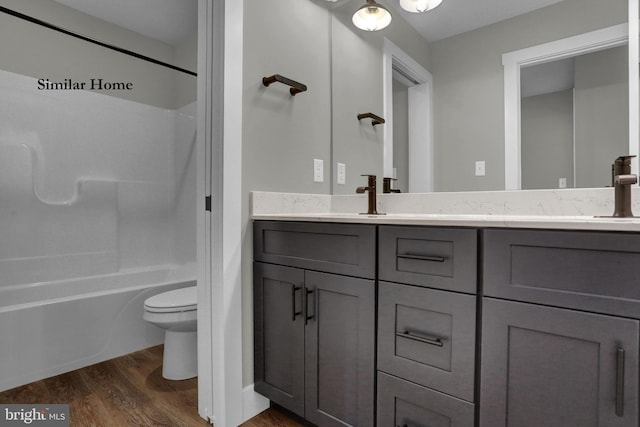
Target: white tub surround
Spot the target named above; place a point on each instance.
(578, 209)
(49, 328)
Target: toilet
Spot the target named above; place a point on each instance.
(176, 312)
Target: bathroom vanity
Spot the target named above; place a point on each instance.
(394, 321)
(314, 311)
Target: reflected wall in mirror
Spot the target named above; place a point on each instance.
(468, 83)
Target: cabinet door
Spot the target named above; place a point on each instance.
(340, 350)
(544, 366)
(279, 335)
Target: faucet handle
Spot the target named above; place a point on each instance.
(371, 182)
(625, 159)
(628, 179)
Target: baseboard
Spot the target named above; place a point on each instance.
(252, 403)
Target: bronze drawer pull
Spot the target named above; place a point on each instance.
(306, 306)
(435, 258)
(294, 313)
(620, 382)
(437, 341)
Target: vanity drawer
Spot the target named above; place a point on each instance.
(428, 336)
(347, 249)
(402, 403)
(443, 258)
(592, 271)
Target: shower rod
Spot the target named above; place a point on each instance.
(91, 40)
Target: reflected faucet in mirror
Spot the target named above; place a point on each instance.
(386, 185)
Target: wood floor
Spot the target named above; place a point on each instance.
(128, 392)
(272, 418)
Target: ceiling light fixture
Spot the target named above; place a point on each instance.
(419, 6)
(372, 16)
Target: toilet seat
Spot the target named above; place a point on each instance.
(177, 300)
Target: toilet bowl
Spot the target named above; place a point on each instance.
(176, 312)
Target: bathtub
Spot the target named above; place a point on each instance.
(49, 328)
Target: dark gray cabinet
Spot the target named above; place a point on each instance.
(314, 332)
(426, 326)
(553, 353)
(558, 331)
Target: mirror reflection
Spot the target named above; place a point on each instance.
(467, 101)
(574, 119)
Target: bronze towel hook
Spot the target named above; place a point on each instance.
(375, 120)
(295, 86)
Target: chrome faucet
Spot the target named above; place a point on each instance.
(623, 179)
(371, 189)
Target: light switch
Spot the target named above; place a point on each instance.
(480, 168)
(562, 183)
(341, 174)
(318, 170)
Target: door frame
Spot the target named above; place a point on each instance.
(220, 38)
(420, 117)
(592, 41)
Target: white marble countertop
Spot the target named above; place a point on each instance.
(326, 208)
(481, 221)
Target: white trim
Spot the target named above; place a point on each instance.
(253, 402)
(634, 86)
(420, 138)
(226, 223)
(203, 168)
(420, 147)
(220, 394)
(605, 38)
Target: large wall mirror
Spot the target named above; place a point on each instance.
(469, 125)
